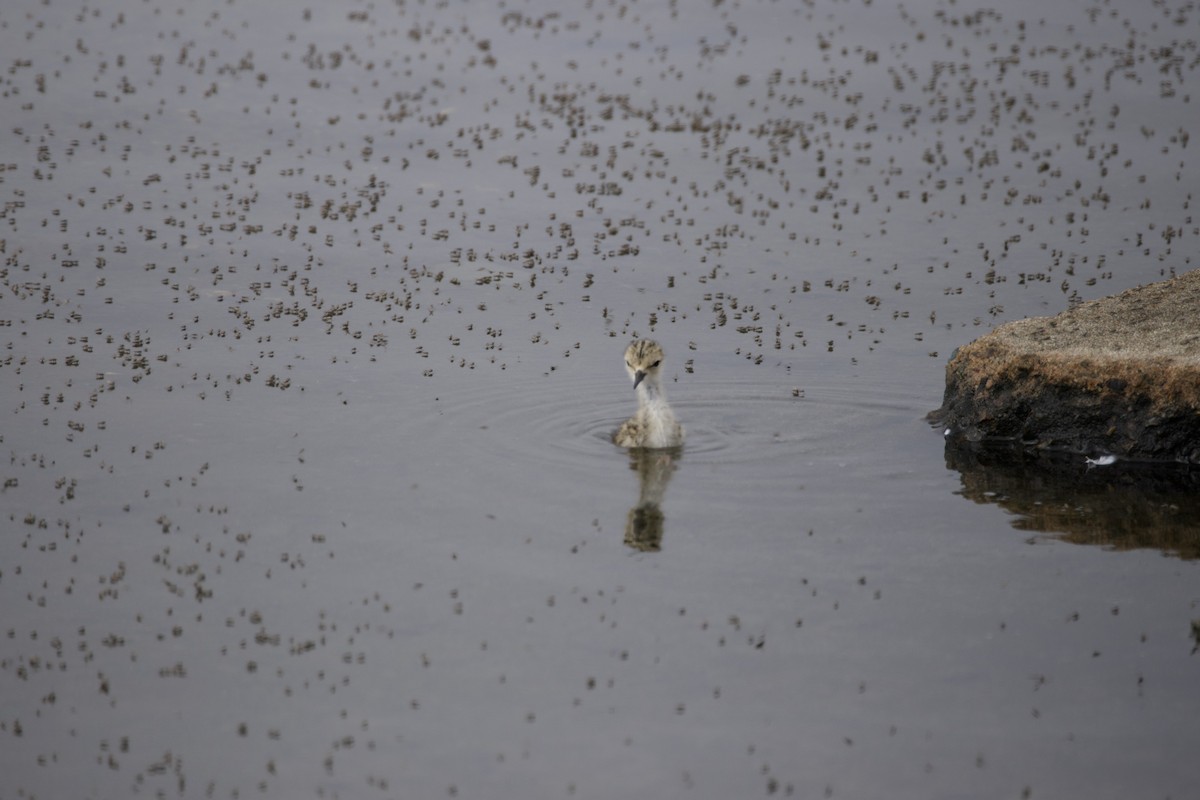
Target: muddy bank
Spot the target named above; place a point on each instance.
(1116, 376)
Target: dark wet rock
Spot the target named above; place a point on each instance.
(1119, 376)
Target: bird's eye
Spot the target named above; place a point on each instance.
(655, 364)
(628, 364)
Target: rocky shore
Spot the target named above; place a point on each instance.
(1116, 376)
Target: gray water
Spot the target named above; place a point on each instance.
(311, 334)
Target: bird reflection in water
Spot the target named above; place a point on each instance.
(644, 522)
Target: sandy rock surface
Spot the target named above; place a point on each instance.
(1119, 376)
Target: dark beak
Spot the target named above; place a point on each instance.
(637, 378)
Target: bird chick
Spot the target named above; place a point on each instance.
(654, 425)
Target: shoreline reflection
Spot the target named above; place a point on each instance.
(1122, 506)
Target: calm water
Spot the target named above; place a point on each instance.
(311, 329)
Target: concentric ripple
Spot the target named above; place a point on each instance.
(568, 422)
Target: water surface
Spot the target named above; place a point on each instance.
(311, 329)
